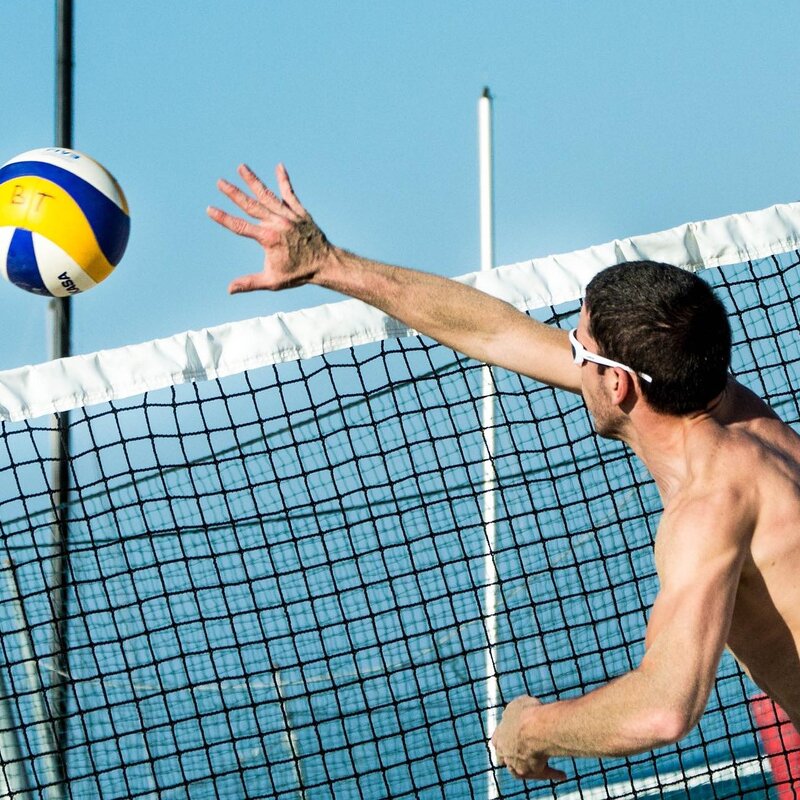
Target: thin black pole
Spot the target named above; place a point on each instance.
(61, 346)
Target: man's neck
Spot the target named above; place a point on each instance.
(668, 445)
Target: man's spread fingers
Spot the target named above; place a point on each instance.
(265, 195)
(239, 226)
(287, 192)
(248, 204)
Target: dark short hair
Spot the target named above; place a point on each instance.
(667, 323)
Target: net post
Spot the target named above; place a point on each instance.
(489, 479)
(60, 316)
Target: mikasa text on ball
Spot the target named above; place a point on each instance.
(64, 222)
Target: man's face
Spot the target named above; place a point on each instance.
(605, 415)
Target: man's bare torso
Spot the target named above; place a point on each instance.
(759, 455)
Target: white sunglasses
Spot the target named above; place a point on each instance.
(581, 354)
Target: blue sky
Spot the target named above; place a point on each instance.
(611, 119)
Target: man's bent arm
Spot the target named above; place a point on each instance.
(659, 702)
(458, 316)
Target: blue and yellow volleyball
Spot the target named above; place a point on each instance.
(64, 222)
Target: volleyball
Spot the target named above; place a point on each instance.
(64, 222)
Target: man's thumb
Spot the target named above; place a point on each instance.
(247, 283)
(556, 775)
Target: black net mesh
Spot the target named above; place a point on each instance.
(277, 585)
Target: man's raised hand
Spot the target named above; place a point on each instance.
(294, 247)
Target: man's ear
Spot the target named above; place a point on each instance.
(621, 387)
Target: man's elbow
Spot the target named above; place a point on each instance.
(667, 725)
(667, 713)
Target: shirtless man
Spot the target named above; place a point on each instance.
(727, 550)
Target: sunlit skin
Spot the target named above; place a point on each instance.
(605, 415)
(727, 550)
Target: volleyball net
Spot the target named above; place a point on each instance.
(276, 551)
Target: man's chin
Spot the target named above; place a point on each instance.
(606, 430)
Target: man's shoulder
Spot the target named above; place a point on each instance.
(700, 526)
(738, 405)
(703, 499)
(757, 444)
(719, 505)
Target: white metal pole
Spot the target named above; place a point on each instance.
(486, 188)
(43, 717)
(487, 425)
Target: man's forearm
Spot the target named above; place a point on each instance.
(444, 309)
(459, 316)
(621, 718)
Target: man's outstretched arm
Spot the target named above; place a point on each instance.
(465, 319)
